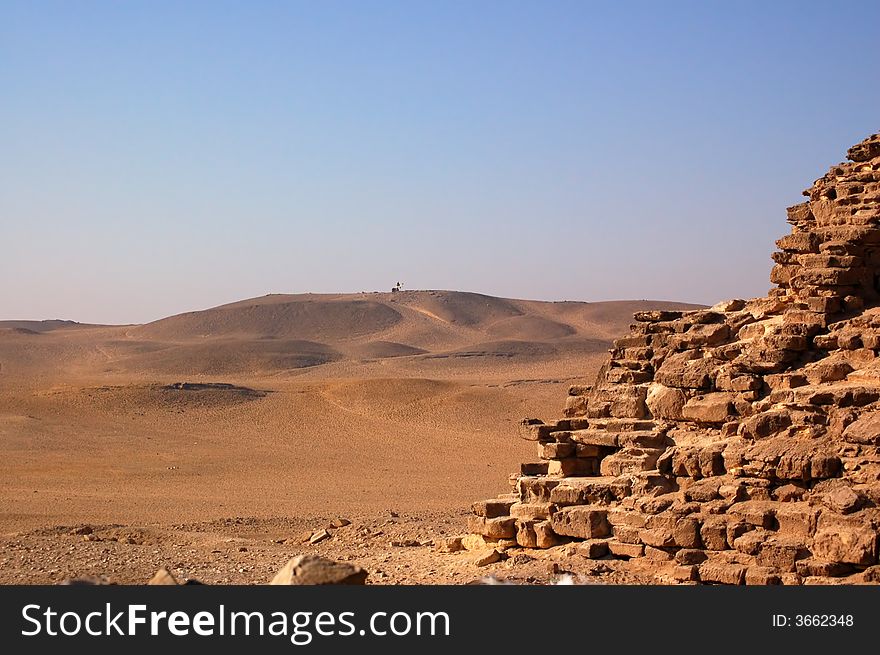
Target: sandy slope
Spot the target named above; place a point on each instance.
(368, 403)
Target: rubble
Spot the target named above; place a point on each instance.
(733, 445)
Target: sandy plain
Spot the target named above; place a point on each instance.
(215, 442)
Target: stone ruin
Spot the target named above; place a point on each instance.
(733, 445)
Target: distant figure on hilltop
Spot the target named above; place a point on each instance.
(397, 287)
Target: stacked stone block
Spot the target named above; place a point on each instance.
(738, 444)
(831, 259)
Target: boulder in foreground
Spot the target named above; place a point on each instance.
(316, 570)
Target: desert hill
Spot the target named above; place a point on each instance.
(336, 318)
(37, 327)
(278, 334)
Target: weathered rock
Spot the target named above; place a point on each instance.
(686, 573)
(689, 556)
(851, 545)
(572, 466)
(765, 424)
(593, 549)
(629, 460)
(713, 533)
(712, 408)
(658, 537)
(545, 537)
(656, 315)
(619, 401)
(779, 553)
(584, 522)
(620, 549)
(533, 429)
(686, 371)
(534, 468)
(665, 402)
(450, 544)
(816, 567)
(87, 581)
(759, 513)
(493, 508)
(532, 511)
(796, 519)
(687, 533)
(575, 406)
(163, 577)
(316, 570)
(502, 527)
(486, 557)
(554, 450)
(762, 575)
(477, 542)
(722, 573)
(842, 499)
(588, 491)
(525, 534)
(865, 430)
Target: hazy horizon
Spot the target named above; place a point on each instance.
(160, 158)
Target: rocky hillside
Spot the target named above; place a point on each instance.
(738, 444)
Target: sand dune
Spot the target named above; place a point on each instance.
(293, 317)
(283, 334)
(41, 326)
(383, 349)
(530, 327)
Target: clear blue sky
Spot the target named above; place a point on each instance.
(158, 157)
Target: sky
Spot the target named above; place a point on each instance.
(160, 157)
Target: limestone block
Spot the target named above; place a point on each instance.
(713, 408)
(583, 522)
(848, 544)
(665, 402)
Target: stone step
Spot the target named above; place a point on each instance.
(534, 468)
(594, 437)
(581, 521)
(532, 511)
(657, 315)
(503, 527)
(643, 439)
(630, 460)
(493, 508)
(590, 491)
(612, 439)
(625, 551)
(632, 364)
(573, 466)
(536, 489)
(532, 429)
(627, 376)
(555, 450)
(617, 424)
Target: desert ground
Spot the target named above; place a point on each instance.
(217, 442)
